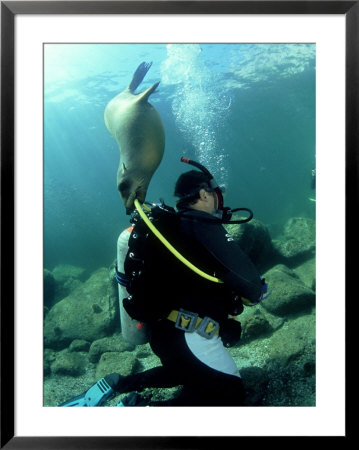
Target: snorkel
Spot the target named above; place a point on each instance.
(224, 213)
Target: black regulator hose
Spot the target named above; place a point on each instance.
(229, 213)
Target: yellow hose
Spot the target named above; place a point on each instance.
(171, 248)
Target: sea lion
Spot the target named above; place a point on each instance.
(138, 130)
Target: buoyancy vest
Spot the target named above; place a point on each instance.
(159, 282)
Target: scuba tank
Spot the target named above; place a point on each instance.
(132, 331)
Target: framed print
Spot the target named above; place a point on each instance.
(104, 106)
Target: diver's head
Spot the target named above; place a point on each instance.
(199, 190)
(194, 192)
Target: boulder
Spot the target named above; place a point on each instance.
(79, 345)
(49, 289)
(49, 358)
(254, 326)
(292, 341)
(69, 363)
(124, 363)
(67, 279)
(297, 243)
(89, 313)
(290, 295)
(291, 365)
(254, 239)
(302, 229)
(114, 343)
(287, 360)
(64, 272)
(307, 273)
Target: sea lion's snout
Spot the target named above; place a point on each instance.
(131, 189)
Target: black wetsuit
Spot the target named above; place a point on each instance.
(203, 366)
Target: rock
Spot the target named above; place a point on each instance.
(49, 289)
(255, 382)
(290, 295)
(67, 279)
(287, 360)
(297, 242)
(143, 351)
(254, 239)
(66, 288)
(124, 363)
(114, 343)
(306, 272)
(293, 340)
(49, 358)
(64, 272)
(79, 345)
(89, 313)
(67, 363)
(302, 229)
(291, 364)
(255, 326)
(274, 321)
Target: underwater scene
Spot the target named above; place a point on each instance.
(246, 112)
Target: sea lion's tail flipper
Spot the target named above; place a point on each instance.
(139, 75)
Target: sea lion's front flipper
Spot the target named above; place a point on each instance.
(139, 75)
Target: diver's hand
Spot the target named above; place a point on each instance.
(263, 295)
(264, 291)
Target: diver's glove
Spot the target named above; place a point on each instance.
(264, 291)
(98, 394)
(263, 295)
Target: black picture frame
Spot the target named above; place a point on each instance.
(9, 9)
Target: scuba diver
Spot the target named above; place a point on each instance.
(190, 319)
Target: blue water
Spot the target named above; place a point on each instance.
(246, 111)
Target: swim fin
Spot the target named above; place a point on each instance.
(98, 394)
